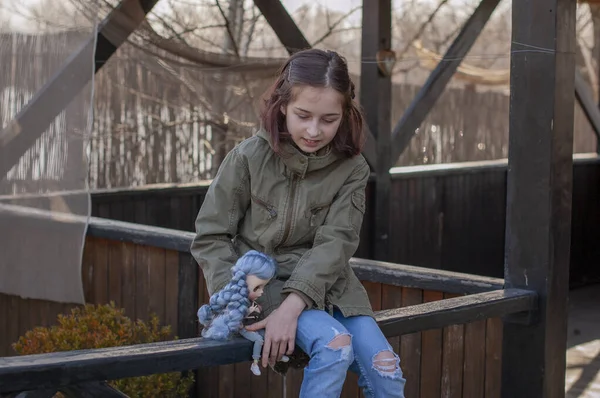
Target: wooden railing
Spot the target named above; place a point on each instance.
(450, 324)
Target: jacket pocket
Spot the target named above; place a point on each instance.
(357, 210)
(317, 214)
(263, 214)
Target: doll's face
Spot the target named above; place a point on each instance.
(256, 286)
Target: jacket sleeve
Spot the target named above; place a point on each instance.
(224, 206)
(335, 242)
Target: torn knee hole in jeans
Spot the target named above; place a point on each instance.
(387, 364)
(341, 342)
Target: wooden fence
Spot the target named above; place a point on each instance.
(151, 125)
(148, 270)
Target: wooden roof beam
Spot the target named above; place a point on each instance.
(283, 25)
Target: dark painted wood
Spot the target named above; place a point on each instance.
(457, 310)
(187, 297)
(422, 278)
(585, 97)
(91, 390)
(65, 368)
(283, 25)
(31, 394)
(56, 94)
(539, 193)
(140, 234)
(375, 98)
(83, 366)
(416, 113)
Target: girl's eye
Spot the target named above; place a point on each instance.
(328, 121)
(303, 116)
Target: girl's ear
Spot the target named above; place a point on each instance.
(282, 109)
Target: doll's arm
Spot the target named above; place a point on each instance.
(254, 308)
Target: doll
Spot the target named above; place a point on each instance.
(232, 306)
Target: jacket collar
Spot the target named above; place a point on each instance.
(299, 162)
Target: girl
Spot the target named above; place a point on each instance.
(227, 309)
(296, 191)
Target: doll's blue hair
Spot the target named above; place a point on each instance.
(226, 309)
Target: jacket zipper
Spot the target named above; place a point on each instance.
(290, 209)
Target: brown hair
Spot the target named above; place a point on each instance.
(317, 68)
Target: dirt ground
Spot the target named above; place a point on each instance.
(583, 343)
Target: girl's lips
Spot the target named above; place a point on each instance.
(310, 143)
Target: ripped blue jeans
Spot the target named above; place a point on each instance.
(336, 345)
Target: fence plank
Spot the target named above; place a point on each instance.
(453, 354)
(431, 357)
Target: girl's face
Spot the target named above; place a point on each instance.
(256, 286)
(313, 116)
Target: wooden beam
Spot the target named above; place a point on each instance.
(426, 98)
(140, 234)
(539, 189)
(32, 394)
(460, 310)
(584, 96)
(60, 369)
(370, 149)
(283, 25)
(423, 278)
(376, 99)
(55, 370)
(29, 124)
(91, 390)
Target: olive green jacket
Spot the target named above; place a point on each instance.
(305, 211)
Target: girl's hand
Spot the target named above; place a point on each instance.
(280, 329)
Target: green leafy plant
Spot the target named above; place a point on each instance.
(99, 326)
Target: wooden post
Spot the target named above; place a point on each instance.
(539, 194)
(376, 99)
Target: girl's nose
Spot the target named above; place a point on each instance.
(312, 131)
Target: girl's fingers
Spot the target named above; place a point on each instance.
(282, 348)
(274, 353)
(290, 346)
(266, 351)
